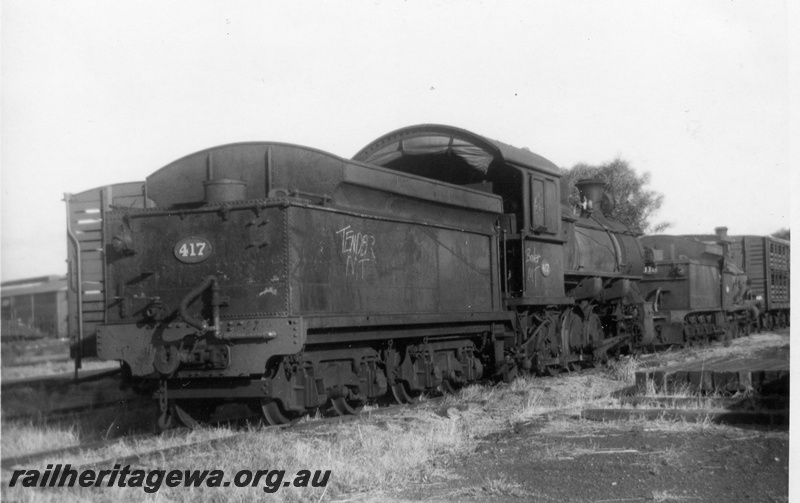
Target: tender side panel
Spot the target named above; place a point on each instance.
(343, 263)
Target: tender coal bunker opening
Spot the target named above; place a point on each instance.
(445, 167)
(449, 167)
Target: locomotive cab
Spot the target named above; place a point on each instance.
(531, 236)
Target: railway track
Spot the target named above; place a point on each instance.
(74, 412)
(60, 397)
(132, 459)
(58, 381)
(8, 463)
(218, 442)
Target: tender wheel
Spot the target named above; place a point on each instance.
(449, 387)
(274, 413)
(345, 407)
(191, 415)
(403, 395)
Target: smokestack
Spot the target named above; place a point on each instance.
(722, 233)
(591, 190)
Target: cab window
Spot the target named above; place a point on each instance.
(544, 207)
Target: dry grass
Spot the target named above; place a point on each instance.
(503, 486)
(743, 346)
(685, 390)
(624, 369)
(362, 456)
(498, 488)
(17, 440)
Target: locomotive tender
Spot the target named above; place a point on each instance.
(292, 279)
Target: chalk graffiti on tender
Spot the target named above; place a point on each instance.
(271, 289)
(358, 248)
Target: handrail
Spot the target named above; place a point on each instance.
(79, 276)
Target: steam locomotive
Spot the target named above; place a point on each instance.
(716, 286)
(292, 279)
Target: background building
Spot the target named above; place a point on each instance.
(34, 308)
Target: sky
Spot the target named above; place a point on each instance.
(695, 93)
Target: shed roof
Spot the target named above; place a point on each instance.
(42, 284)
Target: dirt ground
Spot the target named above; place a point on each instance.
(629, 462)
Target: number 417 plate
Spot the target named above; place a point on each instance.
(192, 250)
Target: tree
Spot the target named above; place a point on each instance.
(634, 204)
(782, 234)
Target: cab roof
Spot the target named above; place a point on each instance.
(432, 139)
